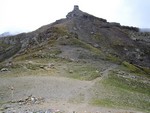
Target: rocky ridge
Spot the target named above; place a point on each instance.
(122, 42)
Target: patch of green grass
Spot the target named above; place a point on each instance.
(146, 70)
(123, 102)
(39, 53)
(121, 92)
(132, 68)
(127, 84)
(113, 58)
(32, 66)
(61, 30)
(80, 43)
(30, 71)
(102, 102)
(35, 67)
(51, 54)
(84, 72)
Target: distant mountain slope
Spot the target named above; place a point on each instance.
(5, 34)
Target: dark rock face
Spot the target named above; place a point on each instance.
(113, 39)
(9, 52)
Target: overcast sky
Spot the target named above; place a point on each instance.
(28, 15)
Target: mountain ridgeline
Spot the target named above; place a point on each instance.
(101, 40)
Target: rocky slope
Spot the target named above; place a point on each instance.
(114, 41)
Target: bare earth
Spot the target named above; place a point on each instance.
(59, 93)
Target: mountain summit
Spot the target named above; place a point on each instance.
(75, 13)
(111, 41)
